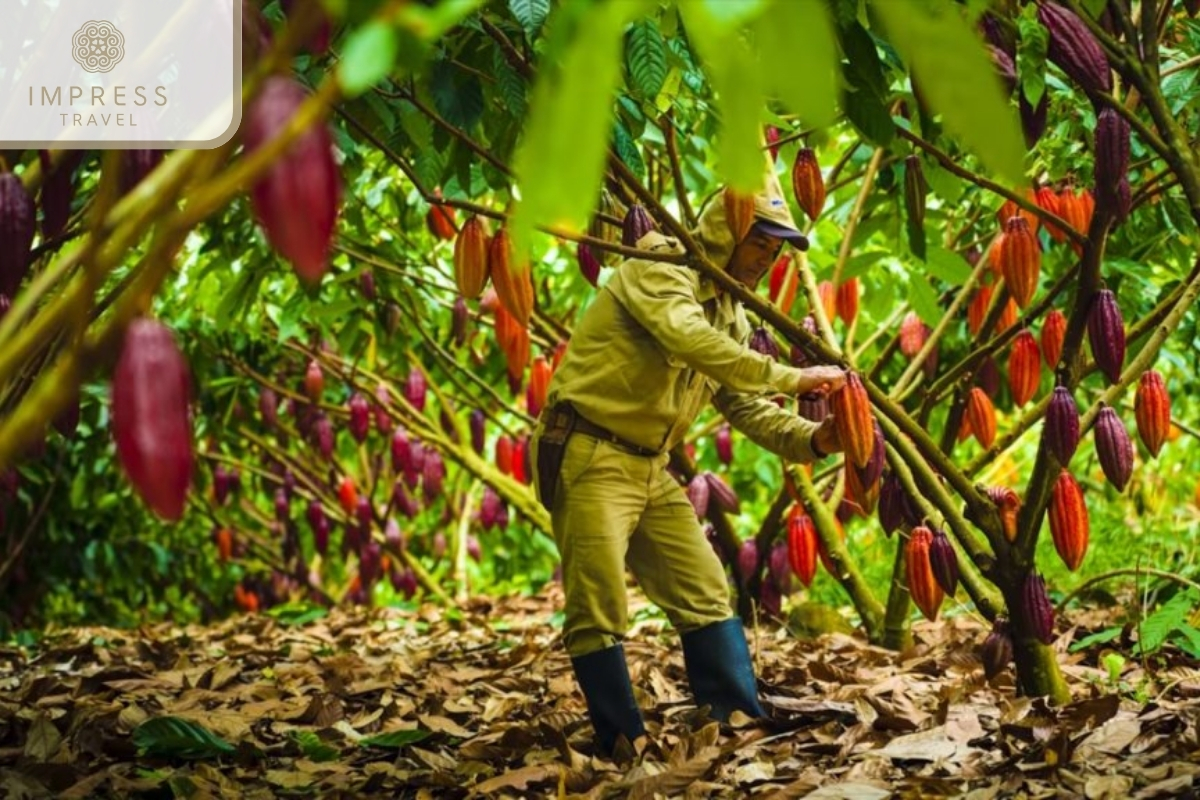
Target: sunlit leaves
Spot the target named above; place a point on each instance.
(646, 55)
(799, 54)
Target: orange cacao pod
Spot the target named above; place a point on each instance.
(1010, 209)
(739, 212)
(913, 334)
(1018, 255)
(1048, 200)
(807, 183)
(1008, 504)
(864, 498)
(977, 310)
(513, 281)
(823, 553)
(440, 221)
(1008, 317)
(852, 414)
(785, 279)
(1152, 410)
(1054, 330)
(1068, 520)
(922, 585)
(802, 545)
(518, 356)
(471, 258)
(539, 382)
(507, 329)
(828, 297)
(1024, 368)
(981, 415)
(847, 301)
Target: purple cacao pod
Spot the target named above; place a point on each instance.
(323, 435)
(438, 548)
(136, 165)
(401, 451)
(502, 517)
(780, 568)
(1005, 68)
(318, 42)
(1061, 428)
(268, 407)
(366, 284)
(698, 493)
(283, 506)
(150, 419)
(1074, 50)
(724, 442)
(813, 406)
(474, 551)
(943, 561)
(1033, 118)
(987, 377)
(298, 198)
(489, 508)
(320, 532)
(1106, 334)
(723, 494)
(1124, 200)
(997, 651)
(1111, 155)
(477, 424)
(1037, 609)
(433, 473)
(370, 556)
(403, 501)
(747, 560)
(315, 513)
(360, 417)
(761, 341)
(589, 265)
(393, 537)
(57, 190)
(770, 599)
(383, 417)
(891, 500)
(460, 322)
(415, 389)
(1113, 447)
(17, 217)
(637, 224)
(448, 426)
(404, 581)
(364, 513)
(995, 35)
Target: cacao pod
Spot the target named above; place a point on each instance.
(779, 568)
(539, 384)
(471, 258)
(476, 423)
(1062, 425)
(802, 545)
(1046, 199)
(1112, 155)
(298, 197)
(403, 501)
(401, 450)
(223, 537)
(891, 511)
(747, 560)
(433, 474)
(1024, 368)
(1054, 331)
(1124, 201)
(922, 585)
(323, 435)
(698, 494)
(761, 341)
(383, 417)
(1068, 520)
(995, 34)
(852, 414)
(517, 357)
(589, 265)
(808, 184)
(17, 213)
(504, 455)
(1113, 447)
(1008, 317)
(797, 355)
(314, 381)
(136, 165)
(599, 228)
(813, 406)
(1152, 410)
(415, 389)
(828, 297)
(1008, 504)
(997, 652)
(943, 561)
(360, 417)
(1106, 334)
(1018, 256)
(489, 508)
(268, 407)
(739, 212)
(439, 220)
(987, 377)
(318, 42)
(977, 310)
(981, 416)
(724, 443)
(1010, 209)
(366, 282)
(348, 495)
(913, 334)
(724, 495)
(150, 420)
(860, 498)
(870, 474)
(784, 281)
(1074, 50)
(847, 301)
(1036, 608)
(57, 192)
(637, 223)
(512, 278)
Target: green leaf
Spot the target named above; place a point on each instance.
(394, 740)
(957, 79)
(1031, 57)
(179, 738)
(1167, 619)
(530, 13)
(457, 96)
(1100, 637)
(297, 613)
(510, 84)
(627, 149)
(868, 113)
(806, 76)
(646, 57)
(1188, 640)
(313, 748)
(367, 58)
(560, 161)
(947, 265)
(923, 299)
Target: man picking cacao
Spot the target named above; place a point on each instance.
(658, 343)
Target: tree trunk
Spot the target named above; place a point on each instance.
(1038, 674)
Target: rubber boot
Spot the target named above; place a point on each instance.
(720, 671)
(604, 678)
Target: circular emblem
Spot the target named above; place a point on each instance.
(98, 46)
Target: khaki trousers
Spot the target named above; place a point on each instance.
(611, 509)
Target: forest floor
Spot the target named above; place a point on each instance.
(482, 703)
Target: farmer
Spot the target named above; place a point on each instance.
(658, 343)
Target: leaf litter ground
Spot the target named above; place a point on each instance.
(483, 704)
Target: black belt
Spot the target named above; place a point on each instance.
(585, 426)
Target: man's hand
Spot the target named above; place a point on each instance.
(826, 437)
(821, 380)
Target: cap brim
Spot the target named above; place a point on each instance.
(798, 239)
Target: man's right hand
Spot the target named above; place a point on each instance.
(826, 437)
(820, 380)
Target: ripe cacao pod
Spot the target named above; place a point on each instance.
(981, 416)
(298, 197)
(828, 297)
(977, 310)
(1046, 199)
(802, 545)
(314, 381)
(1112, 155)
(589, 265)
(1074, 50)
(922, 585)
(637, 223)
(539, 384)
(870, 474)
(913, 334)
(223, 537)
(847, 301)
(1054, 331)
(1024, 368)
(723, 494)
(150, 420)
(1068, 520)
(1076, 208)
(1010, 209)
(784, 281)
(724, 442)
(860, 498)
(1018, 255)
(504, 454)
(1106, 334)
(943, 561)
(852, 414)
(1062, 425)
(1152, 410)
(360, 417)
(439, 220)
(1036, 608)
(401, 450)
(1113, 447)
(997, 652)
(808, 184)
(739, 212)
(698, 492)
(511, 277)
(471, 258)
(1008, 317)
(433, 475)
(17, 213)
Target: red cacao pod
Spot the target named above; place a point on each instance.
(784, 281)
(1018, 255)
(440, 220)
(1074, 50)
(847, 301)
(1008, 505)
(981, 416)
(808, 184)
(943, 561)
(724, 443)
(1008, 317)
(861, 497)
(589, 265)
(1113, 447)
(1076, 208)
(539, 384)
(416, 388)
(471, 258)
(512, 278)
(1010, 209)
(1068, 520)
(1061, 429)
(698, 493)
(298, 197)
(504, 454)
(977, 310)
(1036, 608)
(922, 585)
(1024, 368)
(1152, 410)
(772, 136)
(314, 381)
(637, 223)
(802, 545)
(913, 334)
(17, 213)
(1106, 334)
(150, 420)
(360, 417)
(852, 414)
(1054, 331)
(348, 495)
